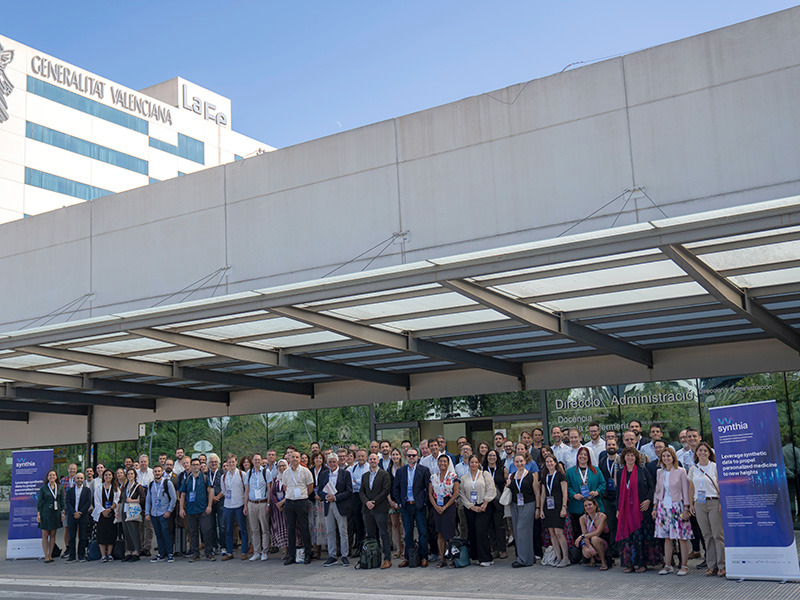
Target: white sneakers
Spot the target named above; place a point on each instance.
(256, 556)
(264, 556)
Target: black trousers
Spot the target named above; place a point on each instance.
(698, 536)
(433, 544)
(199, 523)
(497, 529)
(358, 531)
(296, 512)
(478, 533)
(380, 521)
(538, 550)
(610, 510)
(79, 530)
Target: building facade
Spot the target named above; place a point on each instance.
(70, 136)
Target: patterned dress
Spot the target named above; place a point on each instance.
(316, 516)
(279, 538)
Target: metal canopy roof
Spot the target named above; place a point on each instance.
(721, 276)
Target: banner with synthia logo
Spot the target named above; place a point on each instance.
(756, 514)
(29, 468)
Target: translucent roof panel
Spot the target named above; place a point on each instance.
(756, 280)
(447, 320)
(132, 344)
(252, 328)
(290, 341)
(564, 284)
(753, 256)
(678, 290)
(417, 290)
(380, 310)
(26, 361)
(76, 369)
(176, 355)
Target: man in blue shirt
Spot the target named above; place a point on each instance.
(356, 473)
(160, 504)
(196, 499)
(257, 485)
(410, 491)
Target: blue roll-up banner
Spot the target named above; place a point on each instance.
(28, 470)
(756, 514)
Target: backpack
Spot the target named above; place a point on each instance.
(370, 554)
(413, 554)
(458, 552)
(166, 489)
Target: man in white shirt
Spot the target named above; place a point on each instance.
(499, 441)
(596, 444)
(655, 435)
(570, 456)
(557, 444)
(357, 531)
(299, 485)
(144, 476)
(432, 460)
(258, 483)
(178, 462)
(233, 488)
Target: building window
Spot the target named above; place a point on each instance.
(56, 94)
(54, 183)
(154, 180)
(84, 148)
(237, 157)
(163, 146)
(191, 149)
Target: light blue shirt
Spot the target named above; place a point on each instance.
(257, 480)
(462, 469)
(410, 484)
(356, 472)
(649, 451)
(161, 498)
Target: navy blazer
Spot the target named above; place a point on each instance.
(84, 504)
(344, 490)
(422, 478)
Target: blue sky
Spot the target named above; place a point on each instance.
(298, 70)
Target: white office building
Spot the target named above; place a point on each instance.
(68, 135)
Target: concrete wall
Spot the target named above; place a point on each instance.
(701, 123)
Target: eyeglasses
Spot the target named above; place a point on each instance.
(411, 455)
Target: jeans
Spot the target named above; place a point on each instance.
(411, 516)
(161, 529)
(79, 530)
(237, 514)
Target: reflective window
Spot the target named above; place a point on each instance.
(54, 183)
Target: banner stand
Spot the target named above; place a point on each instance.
(756, 513)
(29, 468)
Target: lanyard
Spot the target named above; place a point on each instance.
(611, 466)
(491, 470)
(518, 480)
(550, 479)
(213, 478)
(474, 479)
(591, 524)
(52, 491)
(628, 479)
(294, 477)
(584, 475)
(106, 495)
(194, 482)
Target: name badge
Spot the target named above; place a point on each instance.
(158, 504)
(229, 492)
(701, 496)
(551, 503)
(192, 496)
(440, 499)
(55, 504)
(585, 491)
(520, 500)
(107, 505)
(473, 496)
(279, 495)
(297, 494)
(611, 485)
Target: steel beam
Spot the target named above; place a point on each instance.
(15, 415)
(114, 363)
(729, 294)
(247, 381)
(44, 407)
(84, 399)
(275, 359)
(399, 341)
(541, 319)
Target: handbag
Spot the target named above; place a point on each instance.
(506, 496)
(133, 512)
(549, 557)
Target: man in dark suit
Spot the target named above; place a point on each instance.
(376, 485)
(652, 466)
(78, 508)
(411, 493)
(337, 507)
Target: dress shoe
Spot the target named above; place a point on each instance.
(423, 563)
(227, 557)
(694, 554)
(289, 561)
(403, 564)
(386, 564)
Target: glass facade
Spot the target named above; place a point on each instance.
(54, 183)
(57, 94)
(187, 147)
(84, 148)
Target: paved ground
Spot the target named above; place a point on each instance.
(32, 579)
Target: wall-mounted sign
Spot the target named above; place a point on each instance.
(6, 87)
(205, 109)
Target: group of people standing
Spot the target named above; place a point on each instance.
(565, 502)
